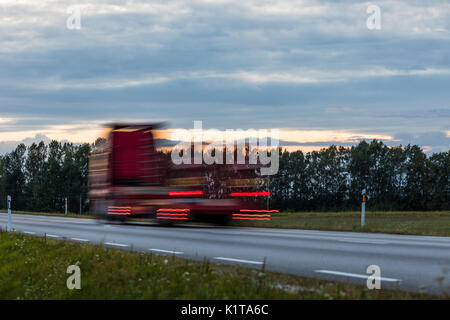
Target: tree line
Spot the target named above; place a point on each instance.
(40, 176)
(395, 178)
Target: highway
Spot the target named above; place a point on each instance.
(412, 263)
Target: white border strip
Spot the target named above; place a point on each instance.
(166, 251)
(116, 244)
(355, 275)
(238, 260)
(78, 239)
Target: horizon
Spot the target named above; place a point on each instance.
(289, 146)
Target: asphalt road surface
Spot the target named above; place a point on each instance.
(412, 263)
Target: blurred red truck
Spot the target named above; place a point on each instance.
(129, 177)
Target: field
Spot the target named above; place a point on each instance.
(431, 223)
(35, 268)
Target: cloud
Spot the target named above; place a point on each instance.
(435, 141)
(292, 64)
(8, 146)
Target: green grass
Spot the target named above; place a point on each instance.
(35, 268)
(433, 223)
(57, 214)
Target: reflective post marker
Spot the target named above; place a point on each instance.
(363, 208)
(65, 205)
(8, 227)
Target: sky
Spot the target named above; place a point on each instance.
(311, 68)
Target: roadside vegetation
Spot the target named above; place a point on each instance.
(56, 214)
(39, 177)
(433, 223)
(35, 268)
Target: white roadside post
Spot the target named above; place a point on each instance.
(8, 227)
(363, 208)
(65, 205)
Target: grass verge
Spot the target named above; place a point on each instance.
(35, 268)
(433, 223)
(57, 214)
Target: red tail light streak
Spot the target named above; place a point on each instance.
(186, 193)
(172, 210)
(119, 210)
(249, 214)
(172, 218)
(172, 214)
(258, 211)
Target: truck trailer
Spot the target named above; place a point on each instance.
(130, 177)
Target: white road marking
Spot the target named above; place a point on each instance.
(116, 244)
(53, 236)
(29, 232)
(238, 260)
(78, 239)
(355, 275)
(166, 251)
